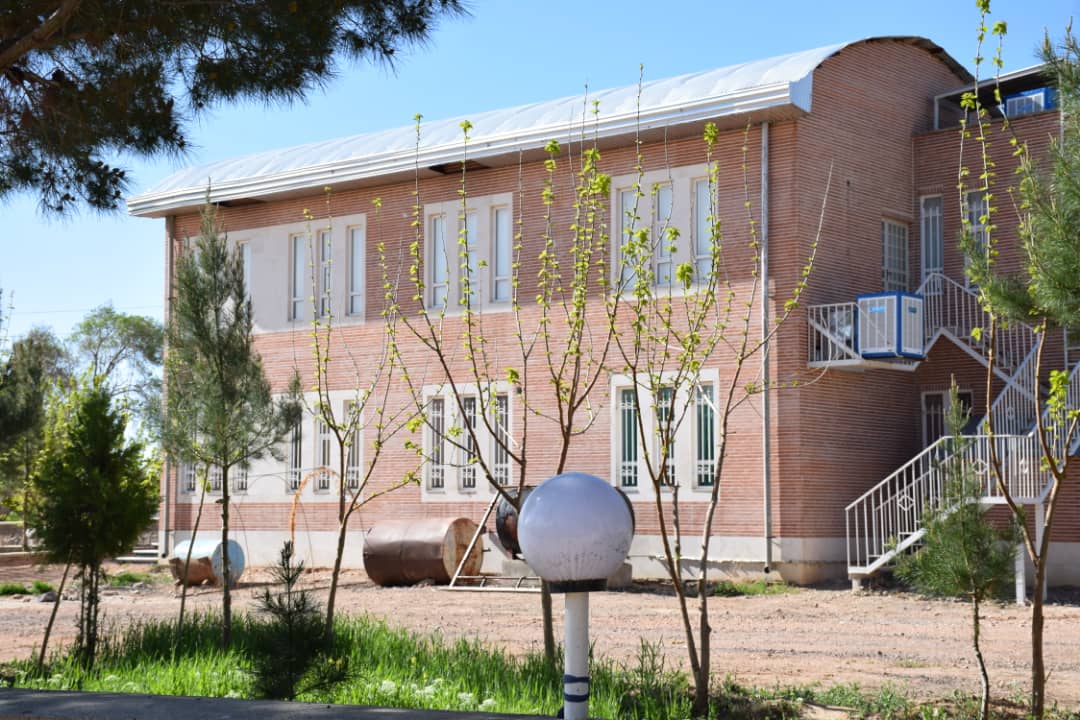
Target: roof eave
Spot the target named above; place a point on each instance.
(744, 103)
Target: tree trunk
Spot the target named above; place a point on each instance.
(52, 619)
(226, 597)
(701, 677)
(984, 707)
(187, 566)
(549, 630)
(343, 526)
(1038, 668)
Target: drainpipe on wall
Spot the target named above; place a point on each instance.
(766, 470)
(163, 523)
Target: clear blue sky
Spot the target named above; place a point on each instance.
(508, 52)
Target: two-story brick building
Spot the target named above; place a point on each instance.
(802, 488)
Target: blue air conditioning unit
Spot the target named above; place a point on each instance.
(890, 325)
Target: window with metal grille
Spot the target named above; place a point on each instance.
(894, 265)
(296, 439)
(214, 478)
(665, 434)
(468, 441)
(705, 435)
(325, 457)
(296, 282)
(239, 479)
(352, 458)
(356, 271)
(436, 443)
(187, 477)
(933, 236)
(628, 438)
(501, 461)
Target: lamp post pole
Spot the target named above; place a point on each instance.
(576, 671)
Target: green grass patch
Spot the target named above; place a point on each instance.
(40, 586)
(125, 579)
(13, 589)
(740, 588)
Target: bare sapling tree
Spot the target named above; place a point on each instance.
(1043, 292)
(361, 427)
(220, 411)
(684, 311)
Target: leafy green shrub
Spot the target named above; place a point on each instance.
(739, 588)
(40, 586)
(13, 589)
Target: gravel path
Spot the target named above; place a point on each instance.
(824, 636)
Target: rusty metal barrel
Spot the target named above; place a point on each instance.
(506, 521)
(404, 552)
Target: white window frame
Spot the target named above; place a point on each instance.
(895, 266)
(476, 223)
(298, 298)
(354, 453)
(324, 455)
(357, 254)
(457, 476)
(640, 201)
(976, 207)
(294, 473)
(689, 465)
(324, 276)
(932, 232)
(187, 478)
(240, 480)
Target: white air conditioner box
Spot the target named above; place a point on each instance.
(890, 325)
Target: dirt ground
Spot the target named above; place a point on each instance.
(824, 636)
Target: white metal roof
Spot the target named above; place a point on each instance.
(734, 90)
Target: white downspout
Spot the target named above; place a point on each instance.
(766, 451)
(163, 524)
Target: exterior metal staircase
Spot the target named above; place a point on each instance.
(888, 518)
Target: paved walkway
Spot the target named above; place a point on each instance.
(54, 705)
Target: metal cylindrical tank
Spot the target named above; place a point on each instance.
(206, 561)
(404, 552)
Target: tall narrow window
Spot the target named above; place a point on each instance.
(296, 289)
(894, 263)
(665, 241)
(214, 478)
(627, 210)
(295, 454)
(325, 289)
(440, 270)
(324, 446)
(470, 270)
(628, 438)
(437, 444)
(703, 239)
(187, 477)
(356, 271)
(352, 459)
(503, 249)
(468, 441)
(933, 236)
(501, 462)
(665, 432)
(245, 263)
(240, 479)
(978, 217)
(705, 435)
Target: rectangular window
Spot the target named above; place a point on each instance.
(503, 249)
(470, 270)
(356, 271)
(628, 438)
(469, 455)
(894, 264)
(296, 285)
(187, 477)
(213, 477)
(437, 443)
(325, 289)
(705, 435)
(295, 457)
(353, 458)
(324, 459)
(703, 231)
(933, 236)
(440, 263)
(665, 241)
(501, 463)
(245, 263)
(240, 479)
(665, 433)
(627, 209)
(978, 217)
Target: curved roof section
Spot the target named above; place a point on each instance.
(759, 85)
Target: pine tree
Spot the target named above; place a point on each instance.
(220, 411)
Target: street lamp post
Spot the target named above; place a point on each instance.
(575, 531)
